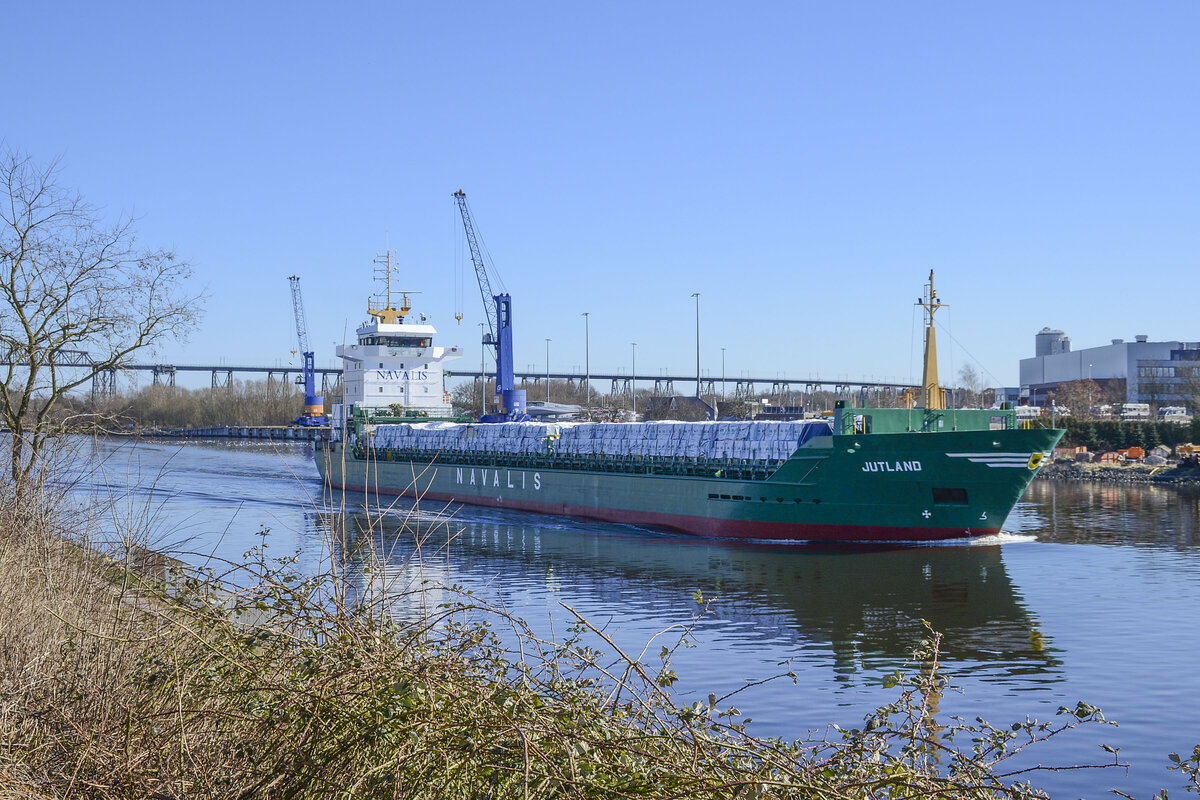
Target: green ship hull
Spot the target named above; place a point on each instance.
(883, 475)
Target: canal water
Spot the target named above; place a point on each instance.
(1090, 594)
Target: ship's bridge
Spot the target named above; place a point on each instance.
(410, 340)
(396, 363)
(396, 341)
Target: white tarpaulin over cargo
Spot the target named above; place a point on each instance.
(507, 437)
(767, 441)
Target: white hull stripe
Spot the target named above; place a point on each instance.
(1006, 460)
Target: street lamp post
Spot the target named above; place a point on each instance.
(547, 370)
(587, 355)
(1089, 411)
(633, 380)
(697, 296)
(722, 373)
(482, 372)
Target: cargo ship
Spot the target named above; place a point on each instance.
(917, 473)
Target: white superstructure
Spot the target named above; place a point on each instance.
(394, 368)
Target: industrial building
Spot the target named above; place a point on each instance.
(1161, 373)
(1171, 381)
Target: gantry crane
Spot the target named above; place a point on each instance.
(314, 404)
(509, 400)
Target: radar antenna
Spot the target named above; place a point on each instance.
(387, 313)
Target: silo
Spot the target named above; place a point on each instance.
(1050, 342)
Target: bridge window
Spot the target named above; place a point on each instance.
(396, 341)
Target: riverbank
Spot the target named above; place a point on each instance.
(117, 682)
(273, 432)
(1163, 475)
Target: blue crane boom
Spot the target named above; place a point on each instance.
(510, 400)
(301, 320)
(485, 285)
(314, 404)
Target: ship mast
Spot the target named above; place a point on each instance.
(929, 377)
(388, 314)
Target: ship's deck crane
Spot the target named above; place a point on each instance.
(314, 404)
(509, 400)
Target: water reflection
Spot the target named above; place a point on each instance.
(194, 500)
(1100, 513)
(850, 608)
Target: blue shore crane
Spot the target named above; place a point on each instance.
(314, 404)
(509, 400)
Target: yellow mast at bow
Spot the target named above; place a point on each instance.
(929, 379)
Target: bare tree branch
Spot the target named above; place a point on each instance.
(71, 282)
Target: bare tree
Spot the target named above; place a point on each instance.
(969, 380)
(71, 283)
(1077, 396)
(1188, 373)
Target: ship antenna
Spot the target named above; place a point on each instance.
(388, 313)
(929, 377)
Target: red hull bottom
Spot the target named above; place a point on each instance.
(705, 526)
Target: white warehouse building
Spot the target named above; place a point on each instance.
(1056, 363)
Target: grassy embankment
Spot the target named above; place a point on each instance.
(115, 684)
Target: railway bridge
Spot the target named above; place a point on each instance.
(222, 375)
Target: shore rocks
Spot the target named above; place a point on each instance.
(1064, 470)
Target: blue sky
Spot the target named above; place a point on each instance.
(803, 166)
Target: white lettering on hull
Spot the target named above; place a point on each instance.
(468, 478)
(892, 466)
